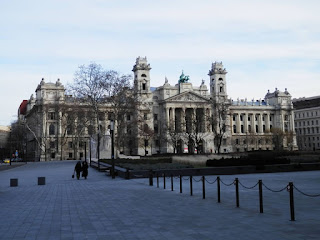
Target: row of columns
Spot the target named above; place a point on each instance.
(171, 117)
(253, 122)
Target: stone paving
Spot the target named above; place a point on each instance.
(105, 208)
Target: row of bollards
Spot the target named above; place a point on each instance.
(14, 181)
(218, 180)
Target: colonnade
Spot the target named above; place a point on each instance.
(183, 119)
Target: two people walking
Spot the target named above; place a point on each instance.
(81, 168)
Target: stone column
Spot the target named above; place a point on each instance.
(260, 123)
(167, 116)
(238, 123)
(267, 121)
(173, 119)
(245, 123)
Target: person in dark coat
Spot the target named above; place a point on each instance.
(84, 169)
(78, 169)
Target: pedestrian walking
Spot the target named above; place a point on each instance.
(78, 169)
(85, 169)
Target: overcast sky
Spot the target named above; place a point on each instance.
(262, 44)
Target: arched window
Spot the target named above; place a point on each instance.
(51, 129)
(221, 89)
(143, 75)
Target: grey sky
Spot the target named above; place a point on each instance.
(262, 44)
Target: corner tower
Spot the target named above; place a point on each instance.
(218, 83)
(142, 77)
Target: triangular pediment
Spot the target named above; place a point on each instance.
(187, 97)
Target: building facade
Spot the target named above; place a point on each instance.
(179, 118)
(307, 122)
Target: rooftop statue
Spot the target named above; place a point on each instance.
(183, 78)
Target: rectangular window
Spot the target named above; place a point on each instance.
(155, 116)
(53, 155)
(145, 116)
(52, 115)
(70, 144)
(70, 155)
(52, 145)
(128, 117)
(143, 86)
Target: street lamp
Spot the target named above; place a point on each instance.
(112, 147)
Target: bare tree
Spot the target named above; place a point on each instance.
(277, 138)
(101, 89)
(219, 120)
(17, 138)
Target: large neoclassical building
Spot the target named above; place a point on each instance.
(181, 116)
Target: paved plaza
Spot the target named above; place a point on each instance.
(105, 208)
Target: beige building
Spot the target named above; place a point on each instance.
(307, 122)
(180, 118)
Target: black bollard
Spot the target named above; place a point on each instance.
(260, 196)
(191, 189)
(157, 180)
(236, 182)
(203, 188)
(150, 178)
(164, 181)
(291, 201)
(218, 188)
(180, 184)
(171, 182)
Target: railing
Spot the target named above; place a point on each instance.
(290, 187)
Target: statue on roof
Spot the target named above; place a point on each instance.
(183, 78)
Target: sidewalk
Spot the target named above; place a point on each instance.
(105, 208)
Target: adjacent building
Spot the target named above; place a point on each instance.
(307, 122)
(180, 118)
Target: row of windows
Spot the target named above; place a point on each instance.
(307, 123)
(249, 128)
(306, 114)
(53, 144)
(256, 117)
(307, 130)
(251, 141)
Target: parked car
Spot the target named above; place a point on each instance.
(7, 160)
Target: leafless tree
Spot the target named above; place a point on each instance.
(219, 120)
(277, 138)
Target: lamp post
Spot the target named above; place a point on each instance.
(98, 147)
(112, 147)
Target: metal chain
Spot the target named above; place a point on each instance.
(186, 178)
(226, 184)
(305, 194)
(285, 188)
(197, 180)
(248, 187)
(211, 182)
